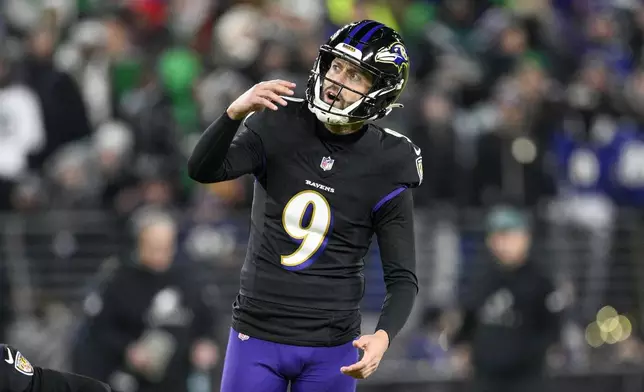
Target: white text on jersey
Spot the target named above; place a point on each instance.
(320, 186)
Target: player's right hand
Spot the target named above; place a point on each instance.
(260, 96)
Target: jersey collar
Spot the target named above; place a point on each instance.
(324, 134)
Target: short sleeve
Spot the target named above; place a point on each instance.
(406, 163)
(402, 167)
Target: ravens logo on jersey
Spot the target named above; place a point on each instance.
(17, 374)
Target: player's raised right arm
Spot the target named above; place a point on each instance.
(221, 154)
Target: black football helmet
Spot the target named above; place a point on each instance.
(374, 48)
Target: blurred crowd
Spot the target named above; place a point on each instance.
(102, 101)
(538, 103)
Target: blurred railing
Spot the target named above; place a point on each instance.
(53, 258)
(587, 382)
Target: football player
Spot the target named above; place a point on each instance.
(326, 181)
(18, 375)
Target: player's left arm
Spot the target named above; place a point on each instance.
(393, 222)
(394, 227)
(224, 154)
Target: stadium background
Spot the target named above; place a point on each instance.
(538, 102)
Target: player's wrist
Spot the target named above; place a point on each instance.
(381, 333)
(234, 115)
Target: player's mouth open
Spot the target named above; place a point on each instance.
(330, 97)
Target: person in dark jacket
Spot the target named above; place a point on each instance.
(511, 310)
(150, 325)
(64, 112)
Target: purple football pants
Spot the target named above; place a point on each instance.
(254, 365)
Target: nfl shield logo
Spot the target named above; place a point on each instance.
(327, 163)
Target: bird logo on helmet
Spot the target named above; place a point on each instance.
(375, 49)
(395, 54)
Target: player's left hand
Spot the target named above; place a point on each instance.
(374, 347)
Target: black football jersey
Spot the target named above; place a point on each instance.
(316, 201)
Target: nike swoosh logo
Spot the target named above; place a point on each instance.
(10, 360)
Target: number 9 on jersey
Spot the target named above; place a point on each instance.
(313, 236)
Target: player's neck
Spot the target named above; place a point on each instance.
(344, 129)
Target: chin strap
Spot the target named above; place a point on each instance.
(324, 116)
(392, 107)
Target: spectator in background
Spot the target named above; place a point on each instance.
(63, 109)
(162, 112)
(21, 128)
(511, 310)
(148, 323)
(85, 57)
(72, 182)
(603, 39)
(113, 154)
(509, 162)
(454, 41)
(212, 237)
(584, 151)
(434, 134)
(508, 50)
